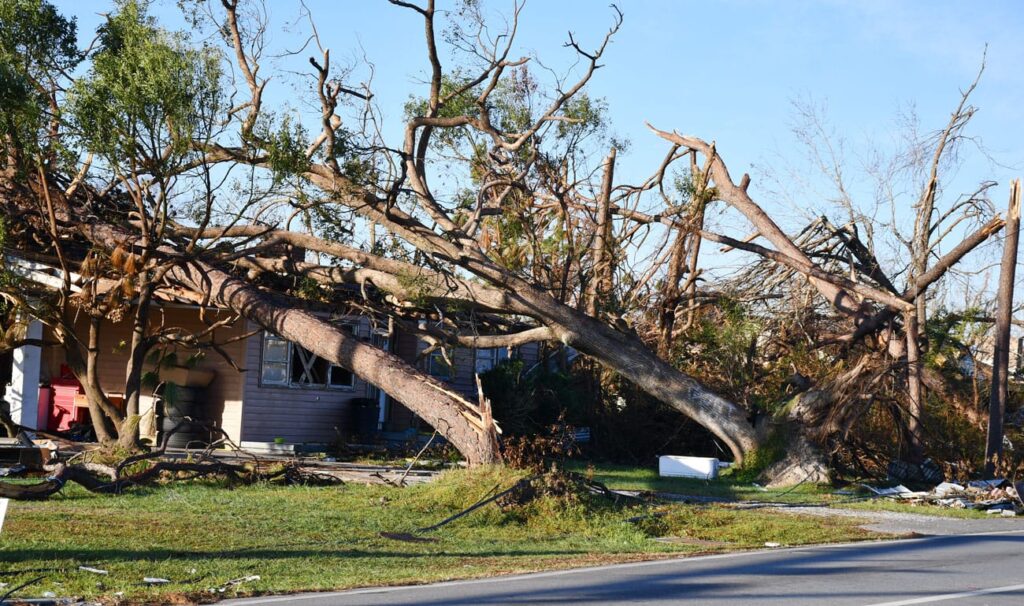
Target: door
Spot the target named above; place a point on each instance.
(382, 341)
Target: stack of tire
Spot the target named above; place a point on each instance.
(365, 414)
(184, 405)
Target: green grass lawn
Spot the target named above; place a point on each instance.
(725, 487)
(200, 536)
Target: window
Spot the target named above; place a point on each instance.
(486, 359)
(275, 360)
(439, 367)
(290, 365)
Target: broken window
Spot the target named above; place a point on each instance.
(287, 364)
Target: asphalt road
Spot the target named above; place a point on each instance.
(965, 570)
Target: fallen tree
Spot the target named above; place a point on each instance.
(530, 245)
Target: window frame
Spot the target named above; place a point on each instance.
(269, 337)
(436, 358)
(492, 355)
(288, 383)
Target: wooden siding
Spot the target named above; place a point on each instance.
(409, 347)
(295, 414)
(224, 396)
(398, 416)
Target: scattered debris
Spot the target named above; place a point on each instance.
(889, 492)
(927, 473)
(24, 452)
(92, 570)
(3, 598)
(988, 484)
(13, 471)
(772, 544)
(235, 582)
(947, 488)
(155, 581)
(994, 496)
(704, 468)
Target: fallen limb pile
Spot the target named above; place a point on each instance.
(157, 464)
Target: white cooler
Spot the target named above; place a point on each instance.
(704, 468)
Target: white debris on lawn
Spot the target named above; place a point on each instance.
(995, 496)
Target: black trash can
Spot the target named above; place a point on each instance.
(365, 414)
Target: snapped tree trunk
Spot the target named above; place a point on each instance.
(1001, 350)
(600, 280)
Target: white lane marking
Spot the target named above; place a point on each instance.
(588, 569)
(951, 596)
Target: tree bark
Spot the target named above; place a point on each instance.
(136, 360)
(601, 278)
(1001, 349)
(627, 355)
(915, 404)
(456, 419)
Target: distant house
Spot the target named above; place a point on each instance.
(978, 359)
(278, 392)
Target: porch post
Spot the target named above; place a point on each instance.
(23, 395)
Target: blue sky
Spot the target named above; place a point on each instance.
(728, 70)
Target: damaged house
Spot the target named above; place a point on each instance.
(259, 389)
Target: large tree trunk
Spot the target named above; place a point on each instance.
(601, 273)
(454, 417)
(1001, 350)
(627, 355)
(915, 405)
